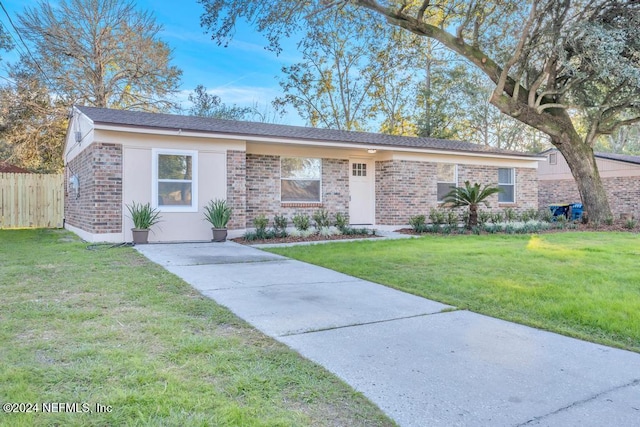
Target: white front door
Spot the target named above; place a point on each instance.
(361, 191)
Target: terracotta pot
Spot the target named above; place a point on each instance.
(219, 234)
(140, 236)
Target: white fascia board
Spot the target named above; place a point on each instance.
(276, 140)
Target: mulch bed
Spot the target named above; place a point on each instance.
(313, 238)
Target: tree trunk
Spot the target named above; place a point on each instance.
(473, 215)
(582, 163)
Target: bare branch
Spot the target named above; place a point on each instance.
(517, 53)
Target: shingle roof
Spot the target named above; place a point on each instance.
(8, 168)
(253, 129)
(620, 157)
(609, 156)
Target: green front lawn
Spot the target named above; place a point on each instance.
(585, 285)
(108, 327)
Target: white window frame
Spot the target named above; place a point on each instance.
(156, 153)
(553, 158)
(455, 178)
(292, 179)
(512, 184)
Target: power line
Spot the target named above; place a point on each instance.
(15, 29)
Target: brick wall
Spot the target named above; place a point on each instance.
(97, 208)
(263, 189)
(237, 188)
(408, 188)
(404, 189)
(623, 194)
(526, 186)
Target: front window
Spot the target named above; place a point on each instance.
(174, 173)
(506, 182)
(300, 180)
(447, 179)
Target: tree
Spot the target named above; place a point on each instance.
(5, 39)
(470, 196)
(103, 53)
(548, 60)
(99, 53)
(625, 140)
(205, 104)
(332, 86)
(34, 123)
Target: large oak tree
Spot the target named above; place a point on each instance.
(553, 63)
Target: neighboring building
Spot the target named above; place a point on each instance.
(179, 163)
(8, 168)
(620, 176)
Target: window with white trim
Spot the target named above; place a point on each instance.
(300, 180)
(553, 158)
(447, 177)
(175, 180)
(507, 183)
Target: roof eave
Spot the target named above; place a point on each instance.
(303, 141)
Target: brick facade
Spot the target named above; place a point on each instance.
(97, 207)
(623, 194)
(237, 188)
(408, 188)
(404, 189)
(263, 189)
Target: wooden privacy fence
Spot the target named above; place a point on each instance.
(31, 200)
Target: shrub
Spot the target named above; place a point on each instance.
(301, 221)
(545, 215)
(436, 216)
(608, 220)
(321, 218)
(350, 231)
(250, 236)
(452, 219)
(529, 215)
(328, 231)
(342, 221)
(418, 223)
(484, 217)
(510, 215)
(497, 217)
(280, 225)
(302, 233)
(630, 224)
(260, 223)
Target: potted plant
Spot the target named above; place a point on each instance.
(218, 213)
(144, 217)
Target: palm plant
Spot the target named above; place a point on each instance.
(471, 196)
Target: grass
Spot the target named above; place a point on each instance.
(585, 285)
(108, 327)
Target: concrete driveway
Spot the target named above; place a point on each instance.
(422, 362)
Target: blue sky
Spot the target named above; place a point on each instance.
(243, 73)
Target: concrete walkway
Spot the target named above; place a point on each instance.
(422, 362)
